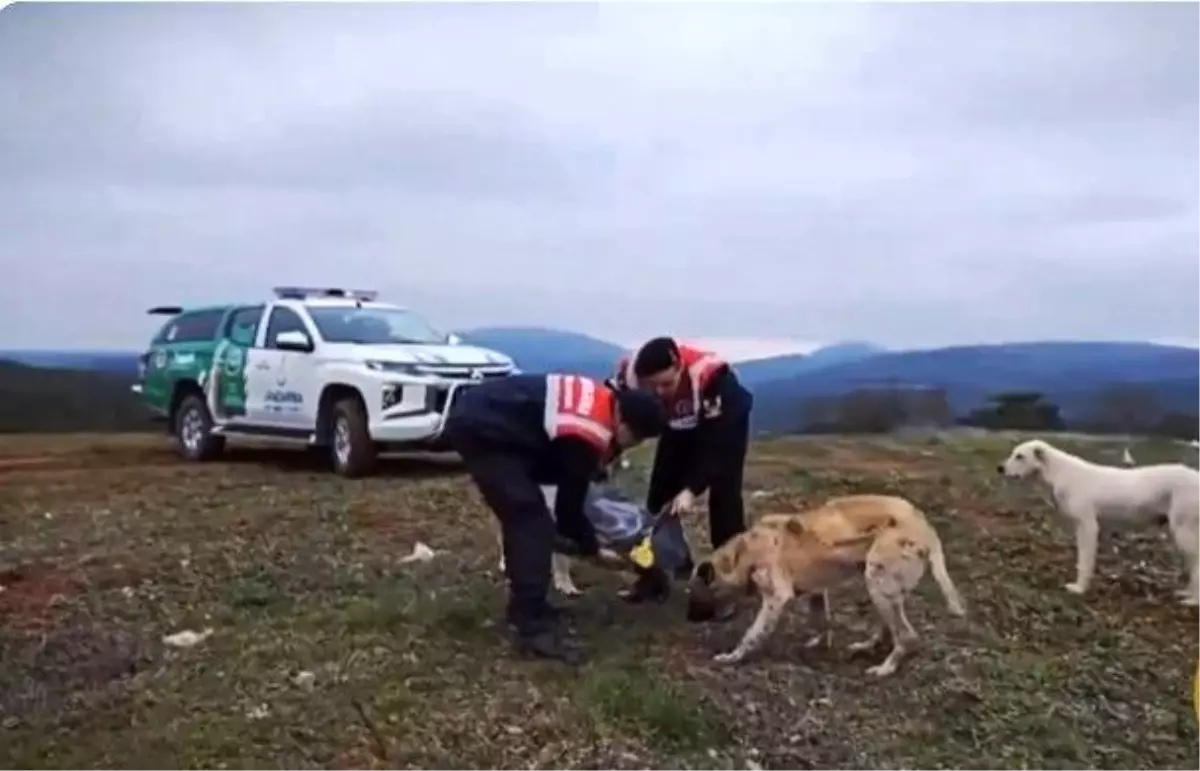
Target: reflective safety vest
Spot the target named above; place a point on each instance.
(683, 407)
(579, 407)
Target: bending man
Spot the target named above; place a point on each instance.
(519, 432)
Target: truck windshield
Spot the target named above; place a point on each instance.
(373, 326)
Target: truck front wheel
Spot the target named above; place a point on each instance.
(350, 443)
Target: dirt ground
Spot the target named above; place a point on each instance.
(327, 651)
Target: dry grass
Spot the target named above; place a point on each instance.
(107, 544)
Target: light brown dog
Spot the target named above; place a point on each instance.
(885, 539)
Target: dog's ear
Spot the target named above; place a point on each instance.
(1039, 454)
(706, 573)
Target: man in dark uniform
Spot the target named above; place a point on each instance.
(705, 444)
(519, 432)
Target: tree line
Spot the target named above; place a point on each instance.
(1119, 408)
(42, 400)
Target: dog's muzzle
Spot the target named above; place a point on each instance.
(699, 610)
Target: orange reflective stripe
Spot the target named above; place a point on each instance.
(580, 407)
(700, 367)
(701, 370)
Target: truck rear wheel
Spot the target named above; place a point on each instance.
(351, 446)
(192, 429)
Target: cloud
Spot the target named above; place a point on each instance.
(911, 174)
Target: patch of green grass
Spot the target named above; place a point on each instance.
(637, 701)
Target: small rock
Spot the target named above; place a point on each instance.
(127, 591)
(259, 712)
(48, 515)
(305, 679)
(513, 730)
(420, 553)
(754, 765)
(187, 638)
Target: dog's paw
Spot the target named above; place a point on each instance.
(569, 590)
(732, 657)
(823, 640)
(863, 646)
(881, 670)
(1076, 588)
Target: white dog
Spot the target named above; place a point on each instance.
(1088, 493)
(560, 564)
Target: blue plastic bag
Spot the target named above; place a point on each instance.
(629, 529)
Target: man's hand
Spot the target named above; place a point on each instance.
(682, 504)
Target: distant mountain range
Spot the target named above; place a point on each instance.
(1070, 373)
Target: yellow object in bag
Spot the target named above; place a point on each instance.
(642, 555)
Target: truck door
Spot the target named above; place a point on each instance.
(226, 384)
(279, 380)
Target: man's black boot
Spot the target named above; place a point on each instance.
(651, 584)
(552, 614)
(542, 641)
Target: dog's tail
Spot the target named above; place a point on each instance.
(937, 565)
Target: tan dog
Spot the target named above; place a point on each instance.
(885, 539)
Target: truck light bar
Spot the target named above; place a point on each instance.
(305, 292)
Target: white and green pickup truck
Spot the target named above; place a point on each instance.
(328, 368)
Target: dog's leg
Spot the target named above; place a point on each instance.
(818, 607)
(776, 594)
(889, 577)
(871, 643)
(1087, 534)
(1184, 530)
(561, 566)
(890, 604)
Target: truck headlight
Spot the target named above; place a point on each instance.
(396, 368)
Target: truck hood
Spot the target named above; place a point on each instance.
(454, 355)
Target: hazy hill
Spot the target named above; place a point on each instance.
(1070, 373)
(537, 349)
(36, 399)
(114, 362)
(777, 367)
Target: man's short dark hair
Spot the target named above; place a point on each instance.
(643, 412)
(655, 356)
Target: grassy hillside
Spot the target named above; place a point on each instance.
(326, 651)
(37, 399)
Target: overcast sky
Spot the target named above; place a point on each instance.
(911, 175)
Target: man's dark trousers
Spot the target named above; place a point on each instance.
(673, 459)
(506, 481)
